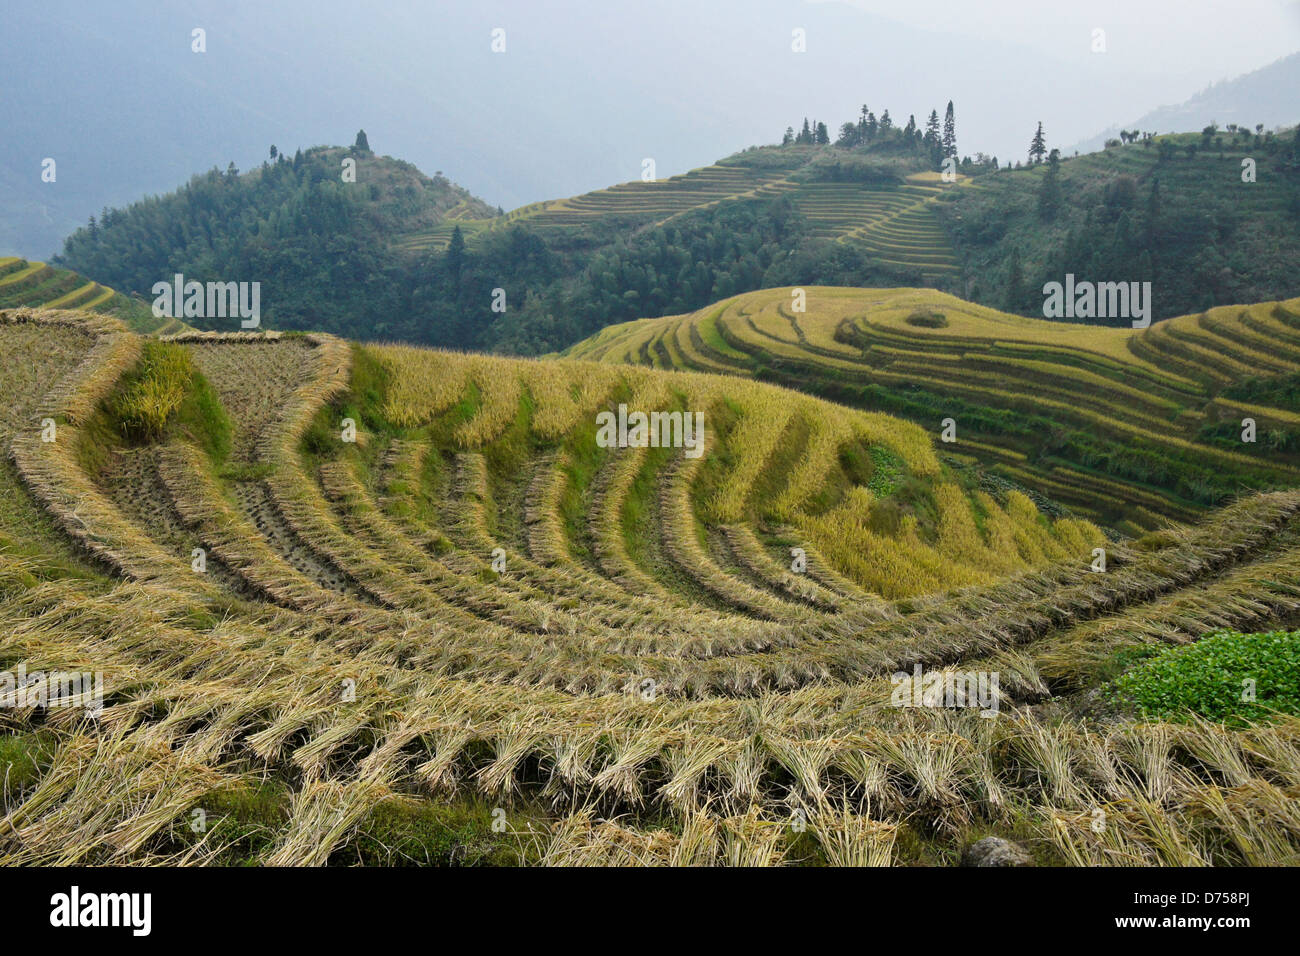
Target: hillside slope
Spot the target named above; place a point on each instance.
(1173, 211)
(36, 285)
(371, 651)
(374, 258)
(398, 256)
(313, 229)
(885, 208)
(1130, 427)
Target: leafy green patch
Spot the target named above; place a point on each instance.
(410, 832)
(1226, 676)
(166, 393)
(153, 391)
(887, 470)
(23, 758)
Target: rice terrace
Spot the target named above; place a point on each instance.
(852, 500)
(334, 647)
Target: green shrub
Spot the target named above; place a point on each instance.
(1214, 677)
(927, 319)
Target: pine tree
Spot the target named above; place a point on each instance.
(805, 136)
(1038, 146)
(362, 142)
(823, 135)
(788, 138)
(949, 132)
(932, 129)
(456, 255)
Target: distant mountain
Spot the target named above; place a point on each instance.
(398, 255)
(1270, 96)
(313, 230)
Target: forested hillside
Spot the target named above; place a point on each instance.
(1172, 210)
(397, 255)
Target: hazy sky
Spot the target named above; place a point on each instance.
(1210, 39)
(584, 92)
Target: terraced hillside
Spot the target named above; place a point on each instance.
(1158, 210)
(1128, 427)
(26, 284)
(372, 645)
(895, 221)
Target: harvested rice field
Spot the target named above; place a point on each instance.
(373, 604)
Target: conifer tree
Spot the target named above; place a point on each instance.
(949, 132)
(932, 129)
(1038, 146)
(456, 255)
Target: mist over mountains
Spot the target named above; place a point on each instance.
(1270, 96)
(116, 95)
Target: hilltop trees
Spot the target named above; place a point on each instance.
(362, 142)
(936, 142)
